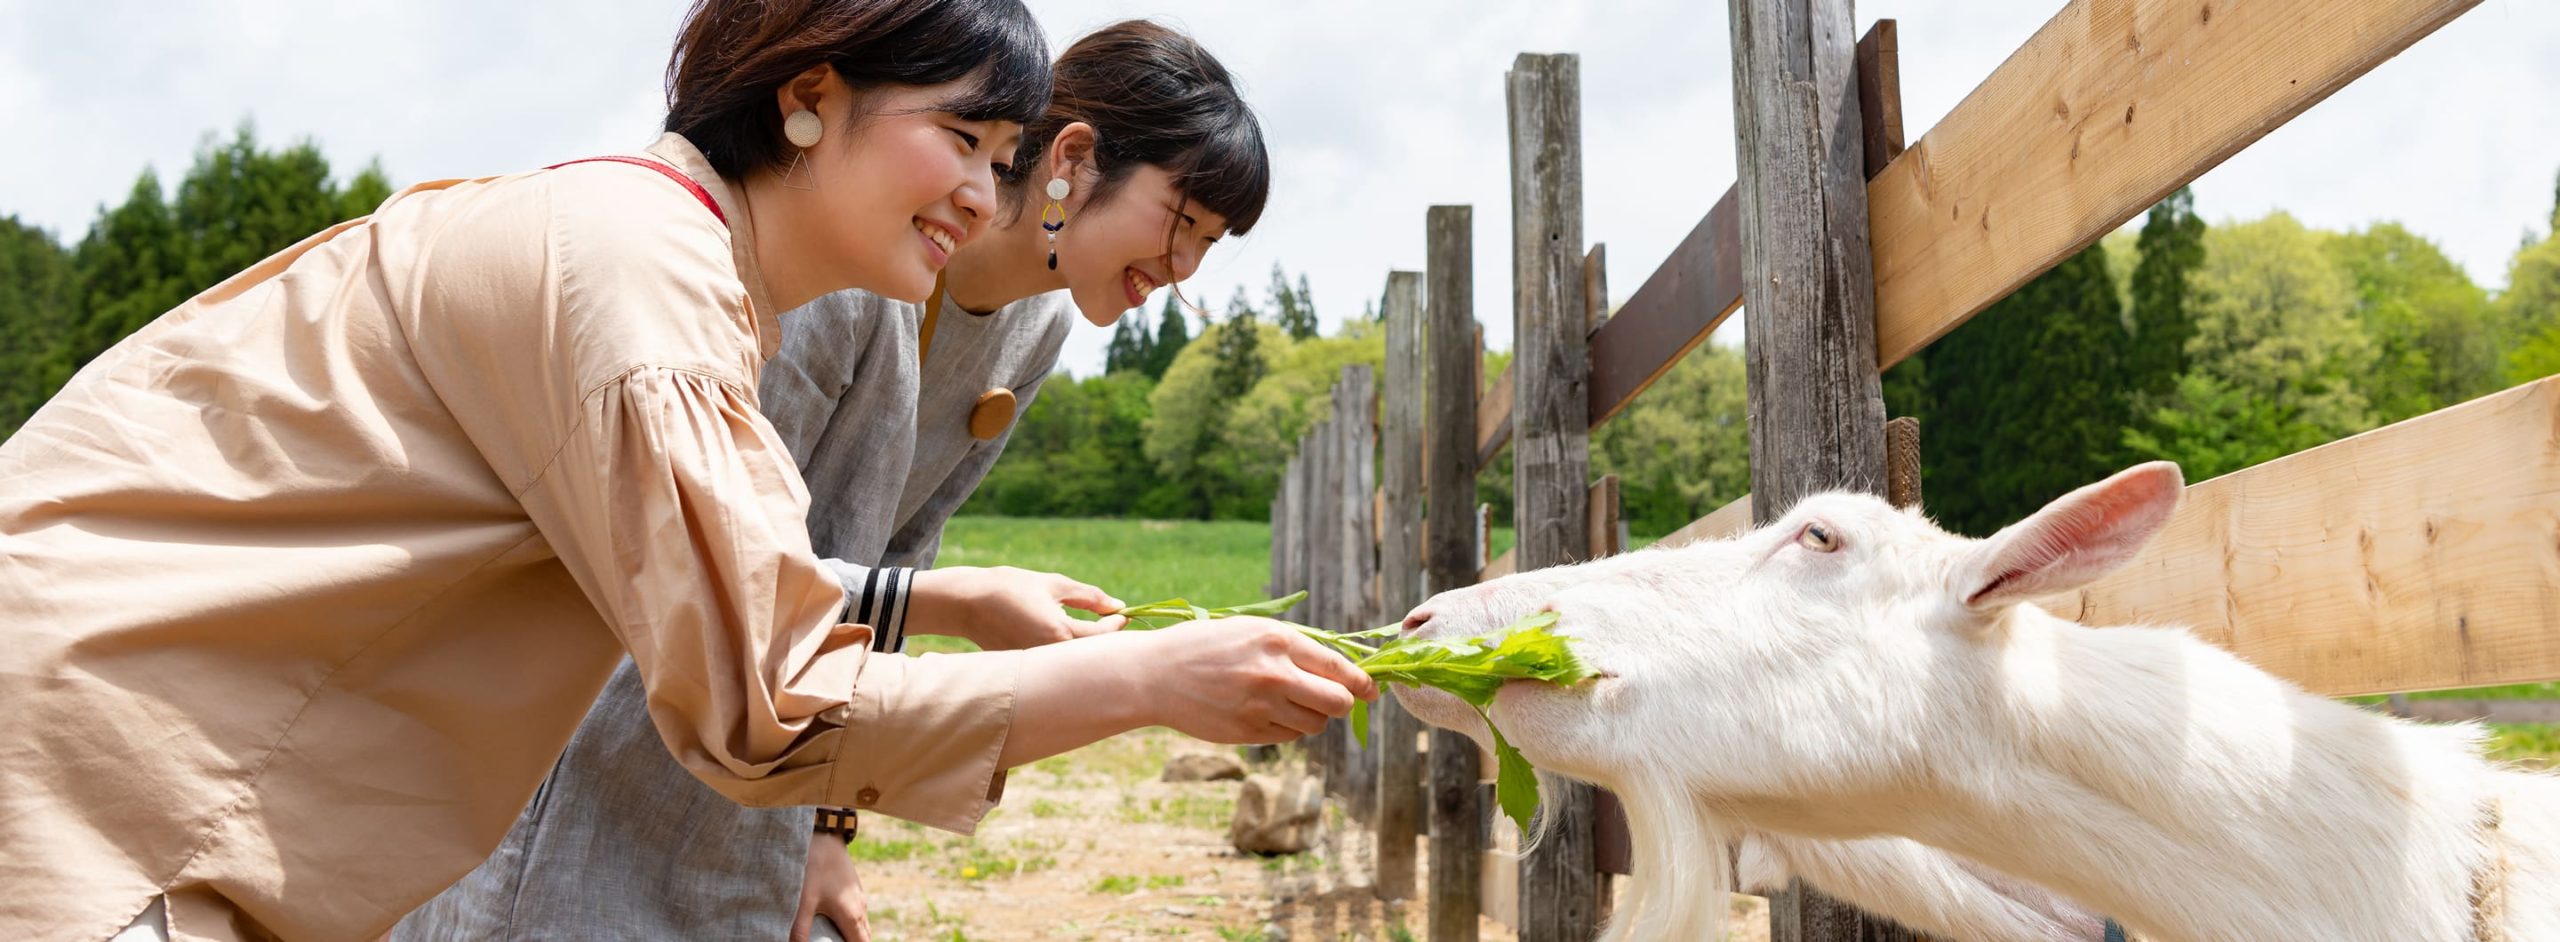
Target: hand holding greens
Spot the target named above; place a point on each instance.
(1472, 669)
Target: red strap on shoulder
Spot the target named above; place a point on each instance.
(670, 172)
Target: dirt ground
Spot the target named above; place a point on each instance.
(1091, 846)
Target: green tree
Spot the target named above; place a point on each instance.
(240, 204)
(1173, 332)
(1189, 414)
(1133, 342)
(2170, 248)
(35, 295)
(2430, 325)
(2273, 364)
(1261, 429)
(1294, 309)
(2530, 309)
(1683, 448)
(1079, 452)
(130, 268)
(2025, 401)
(365, 193)
(237, 205)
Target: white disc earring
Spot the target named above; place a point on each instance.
(1057, 188)
(803, 128)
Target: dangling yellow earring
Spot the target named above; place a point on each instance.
(803, 129)
(1057, 191)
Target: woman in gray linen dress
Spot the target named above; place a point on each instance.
(1159, 157)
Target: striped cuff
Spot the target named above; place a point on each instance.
(882, 604)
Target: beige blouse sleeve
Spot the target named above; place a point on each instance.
(679, 512)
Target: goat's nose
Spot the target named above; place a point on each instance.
(1414, 620)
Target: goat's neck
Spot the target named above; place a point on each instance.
(2165, 782)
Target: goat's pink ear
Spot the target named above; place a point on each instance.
(2074, 540)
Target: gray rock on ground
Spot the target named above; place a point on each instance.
(1203, 767)
(1277, 815)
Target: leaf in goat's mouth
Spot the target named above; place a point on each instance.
(1472, 669)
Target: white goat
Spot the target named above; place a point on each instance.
(1852, 677)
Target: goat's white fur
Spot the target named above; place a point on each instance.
(1893, 722)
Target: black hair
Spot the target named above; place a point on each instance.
(732, 54)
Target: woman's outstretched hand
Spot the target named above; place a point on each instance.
(1229, 680)
(1247, 680)
(1002, 608)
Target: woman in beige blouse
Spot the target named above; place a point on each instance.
(303, 586)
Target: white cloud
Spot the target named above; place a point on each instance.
(1374, 110)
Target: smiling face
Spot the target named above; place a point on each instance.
(1140, 236)
(904, 188)
(899, 184)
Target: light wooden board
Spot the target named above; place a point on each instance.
(1719, 523)
(2424, 555)
(2107, 109)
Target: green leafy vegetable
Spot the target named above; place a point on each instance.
(1472, 669)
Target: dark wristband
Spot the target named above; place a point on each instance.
(841, 822)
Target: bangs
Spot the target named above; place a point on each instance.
(1011, 86)
(996, 48)
(1229, 173)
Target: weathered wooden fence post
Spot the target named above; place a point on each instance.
(1550, 431)
(1817, 409)
(1457, 810)
(1355, 411)
(1400, 576)
(1324, 578)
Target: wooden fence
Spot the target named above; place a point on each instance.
(2424, 555)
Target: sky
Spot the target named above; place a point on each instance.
(1373, 111)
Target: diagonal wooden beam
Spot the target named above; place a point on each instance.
(1493, 418)
(2107, 109)
(1668, 316)
(1880, 94)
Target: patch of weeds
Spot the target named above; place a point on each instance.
(1189, 809)
(1123, 884)
(1044, 808)
(869, 849)
(978, 862)
(1116, 885)
(1232, 934)
(2532, 745)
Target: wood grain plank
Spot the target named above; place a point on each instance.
(2108, 108)
(2419, 556)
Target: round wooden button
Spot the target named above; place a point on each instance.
(993, 414)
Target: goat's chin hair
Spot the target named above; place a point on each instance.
(1683, 879)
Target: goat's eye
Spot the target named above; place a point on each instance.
(1818, 538)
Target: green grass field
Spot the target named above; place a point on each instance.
(1224, 562)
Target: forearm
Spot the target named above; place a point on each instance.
(1073, 694)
